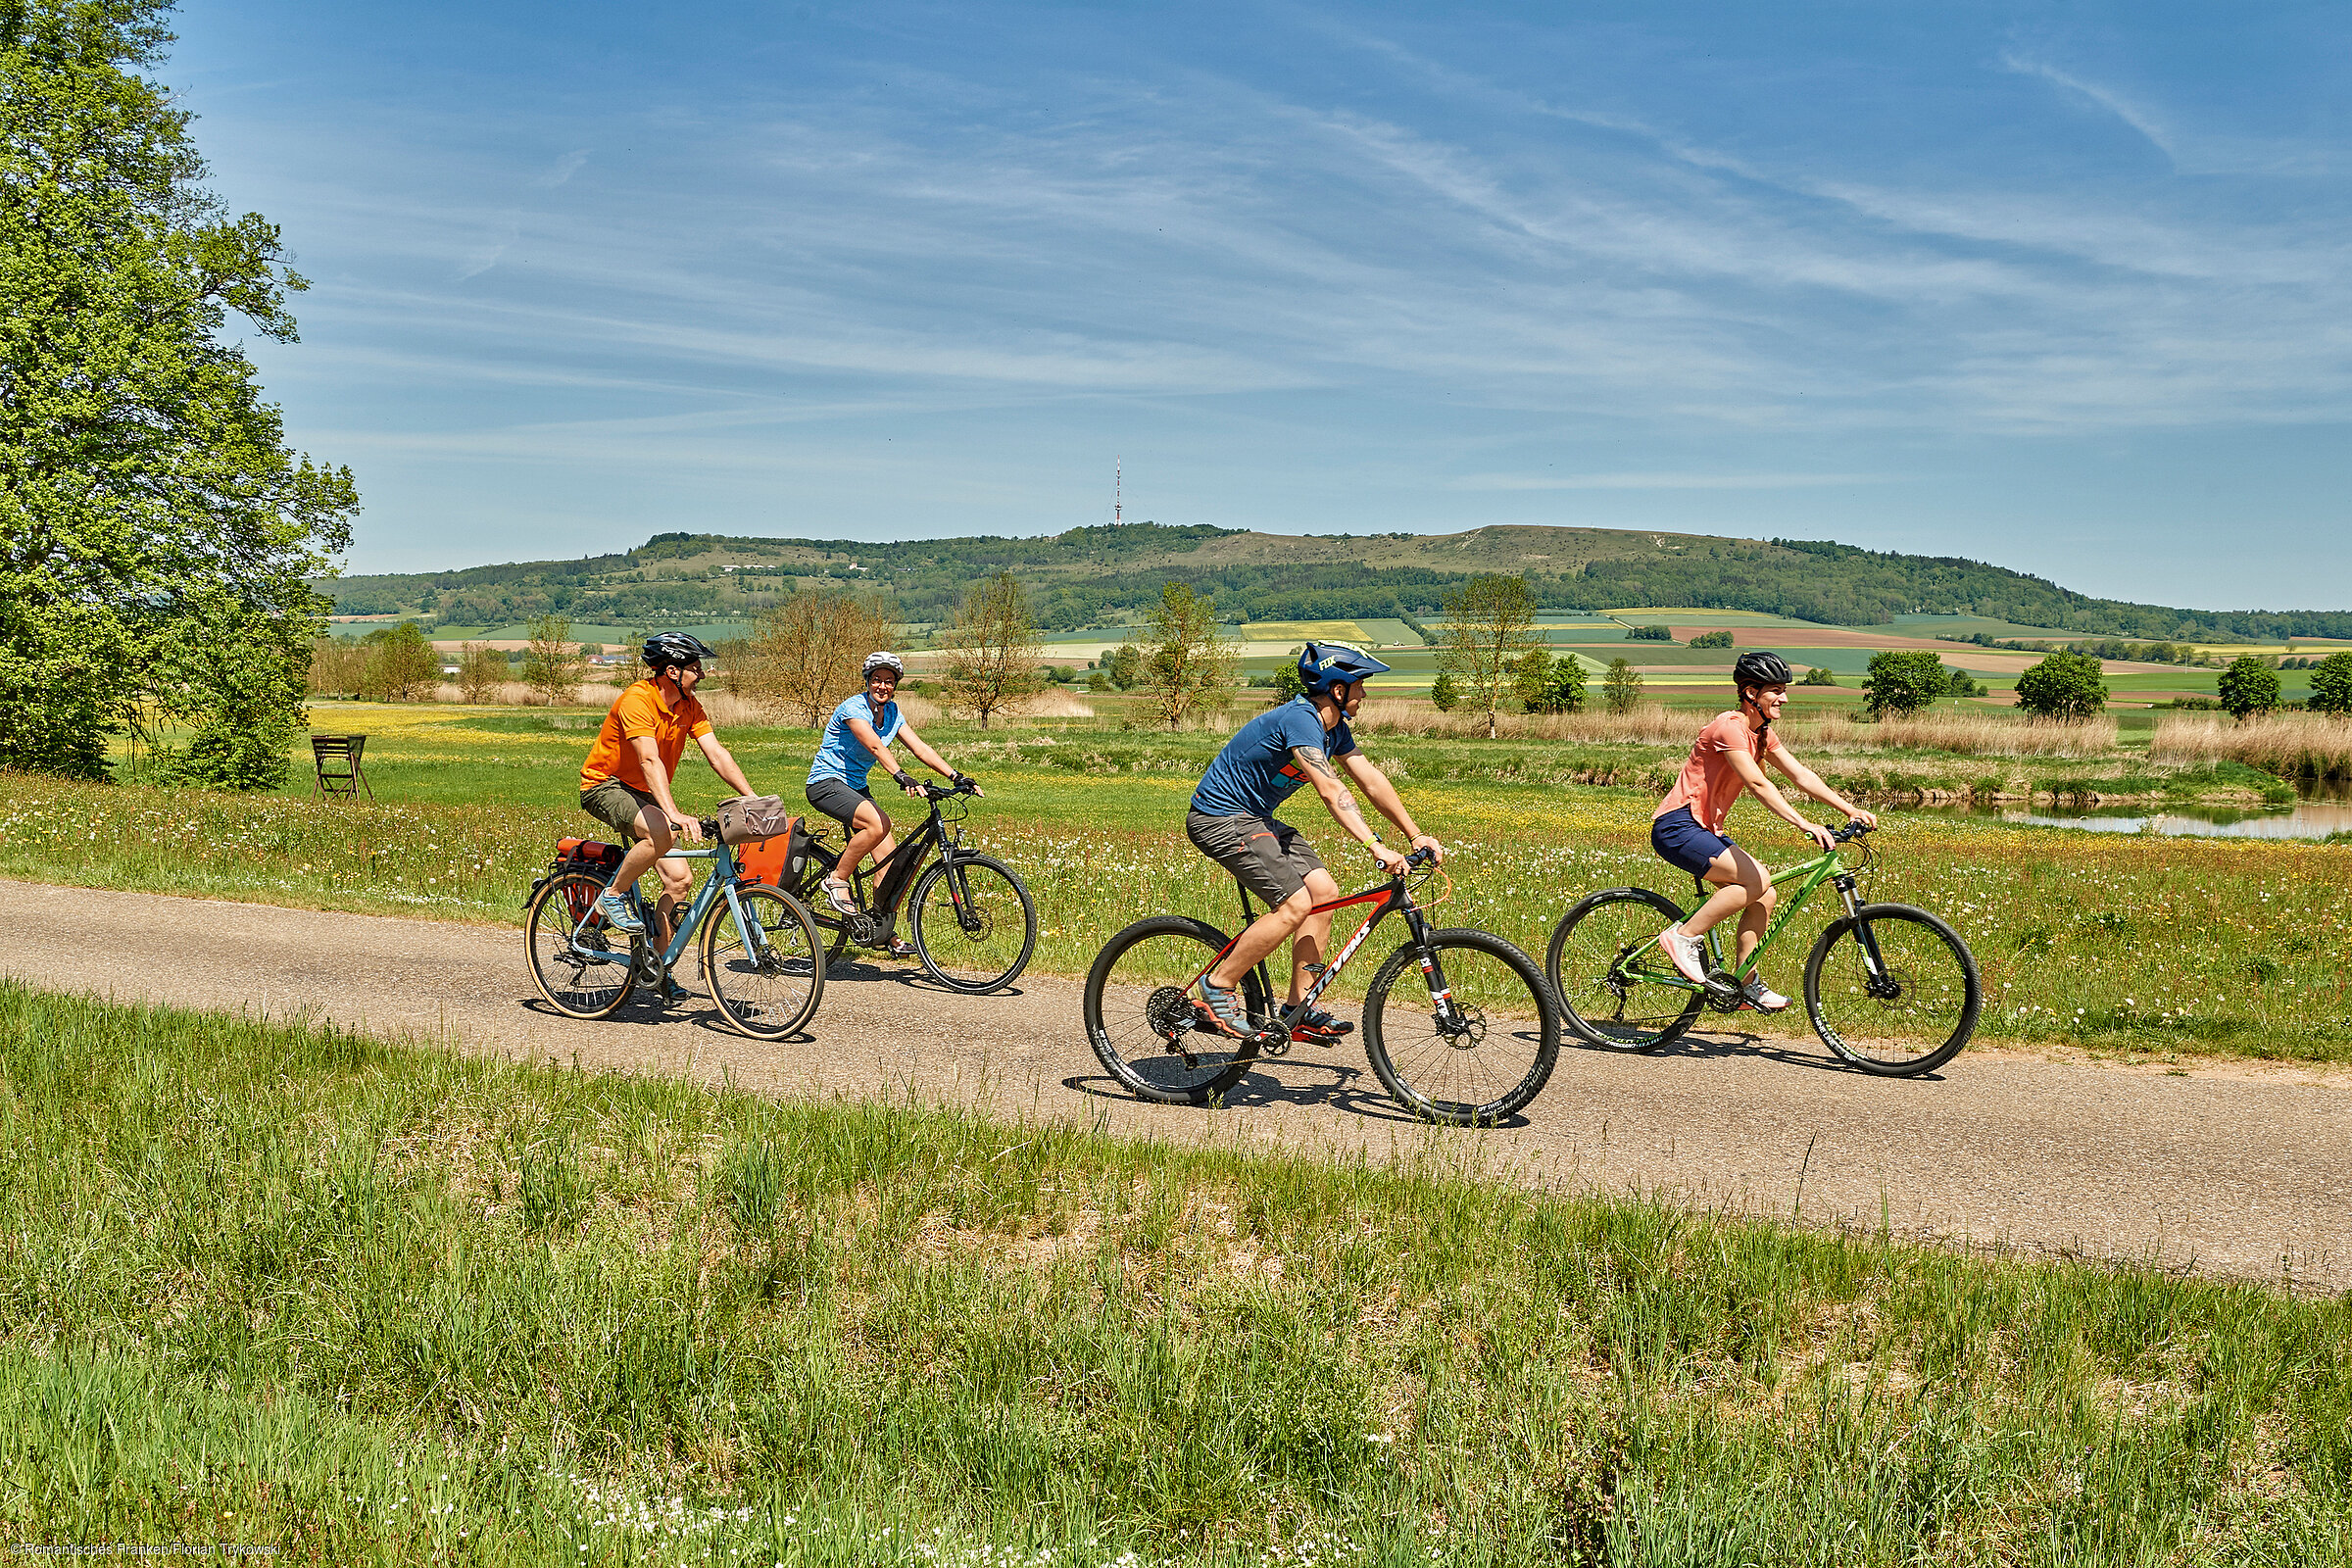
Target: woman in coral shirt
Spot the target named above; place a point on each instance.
(1687, 829)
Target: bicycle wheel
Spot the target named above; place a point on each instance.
(1140, 1012)
(1909, 1013)
(1611, 991)
(580, 965)
(974, 925)
(764, 971)
(1482, 1052)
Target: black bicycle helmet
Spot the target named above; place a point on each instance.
(1323, 665)
(666, 648)
(1761, 667)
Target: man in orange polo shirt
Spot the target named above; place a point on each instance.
(626, 782)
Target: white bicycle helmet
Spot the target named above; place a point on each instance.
(884, 659)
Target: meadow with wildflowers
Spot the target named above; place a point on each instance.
(291, 1289)
(2134, 943)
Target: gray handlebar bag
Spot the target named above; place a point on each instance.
(748, 818)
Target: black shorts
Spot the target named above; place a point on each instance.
(837, 800)
(1270, 858)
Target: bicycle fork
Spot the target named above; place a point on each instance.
(1874, 963)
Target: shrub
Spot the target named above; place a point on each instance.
(2065, 685)
(1712, 639)
(2331, 684)
(1446, 693)
(1622, 688)
(1820, 675)
(1548, 685)
(1650, 634)
(1960, 683)
(2249, 686)
(1903, 680)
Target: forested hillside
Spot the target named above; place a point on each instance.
(1103, 576)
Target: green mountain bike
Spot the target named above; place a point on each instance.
(1890, 988)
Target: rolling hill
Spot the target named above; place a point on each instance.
(1104, 575)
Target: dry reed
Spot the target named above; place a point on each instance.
(1974, 734)
(2288, 745)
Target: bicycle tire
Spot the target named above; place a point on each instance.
(557, 968)
(1429, 1065)
(970, 951)
(1921, 1023)
(1128, 998)
(1593, 1004)
(773, 994)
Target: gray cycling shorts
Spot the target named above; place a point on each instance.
(617, 805)
(838, 801)
(1270, 858)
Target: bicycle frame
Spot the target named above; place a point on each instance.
(896, 872)
(1821, 868)
(720, 884)
(1392, 897)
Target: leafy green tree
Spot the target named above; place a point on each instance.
(1126, 666)
(1287, 684)
(1621, 688)
(1960, 683)
(2331, 684)
(1712, 639)
(1903, 680)
(1446, 693)
(155, 530)
(1489, 623)
(1189, 667)
(401, 666)
(1548, 685)
(2064, 685)
(2249, 686)
(1651, 634)
(1820, 675)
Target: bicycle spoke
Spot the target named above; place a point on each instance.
(763, 970)
(1615, 980)
(1479, 1052)
(1894, 991)
(1140, 1016)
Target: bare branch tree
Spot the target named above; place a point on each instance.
(806, 653)
(1188, 668)
(480, 669)
(996, 652)
(1489, 623)
(552, 665)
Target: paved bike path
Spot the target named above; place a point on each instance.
(2232, 1168)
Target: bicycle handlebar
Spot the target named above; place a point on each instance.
(1420, 858)
(1850, 832)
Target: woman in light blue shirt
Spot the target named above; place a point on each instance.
(856, 737)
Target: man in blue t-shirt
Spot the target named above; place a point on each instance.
(856, 737)
(1232, 823)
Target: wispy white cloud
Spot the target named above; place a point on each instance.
(1665, 481)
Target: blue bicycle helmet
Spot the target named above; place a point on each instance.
(1323, 665)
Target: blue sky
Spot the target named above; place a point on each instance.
(2060, 287)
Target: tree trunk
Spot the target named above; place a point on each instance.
(1490, 723)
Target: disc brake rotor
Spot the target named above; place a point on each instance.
(1462, 1025)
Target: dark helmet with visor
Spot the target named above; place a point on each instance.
(1761, 667)
(1325, 665)
(667, 647)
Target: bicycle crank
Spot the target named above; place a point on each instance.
(1722, 992)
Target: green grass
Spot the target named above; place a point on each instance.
(291, 1287)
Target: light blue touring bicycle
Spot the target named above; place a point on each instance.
(761, 956)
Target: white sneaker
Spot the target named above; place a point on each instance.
(1684, 955)
(838, 894)
(1762, 997)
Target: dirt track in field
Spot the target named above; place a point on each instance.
(2229, 1167)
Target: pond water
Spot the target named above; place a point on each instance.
(2311, 817)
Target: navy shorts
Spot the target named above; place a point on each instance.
(1682, 844)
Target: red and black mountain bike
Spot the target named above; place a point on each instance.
(1472, 1042)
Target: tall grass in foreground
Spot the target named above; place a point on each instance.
(2290, 745)
(290, 1286)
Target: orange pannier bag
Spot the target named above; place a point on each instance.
(762, 860)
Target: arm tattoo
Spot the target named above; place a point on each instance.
(1311, 758)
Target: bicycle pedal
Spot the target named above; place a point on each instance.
(1315, 1037)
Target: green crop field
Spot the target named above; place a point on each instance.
(350, 1302)
(2135, 945)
